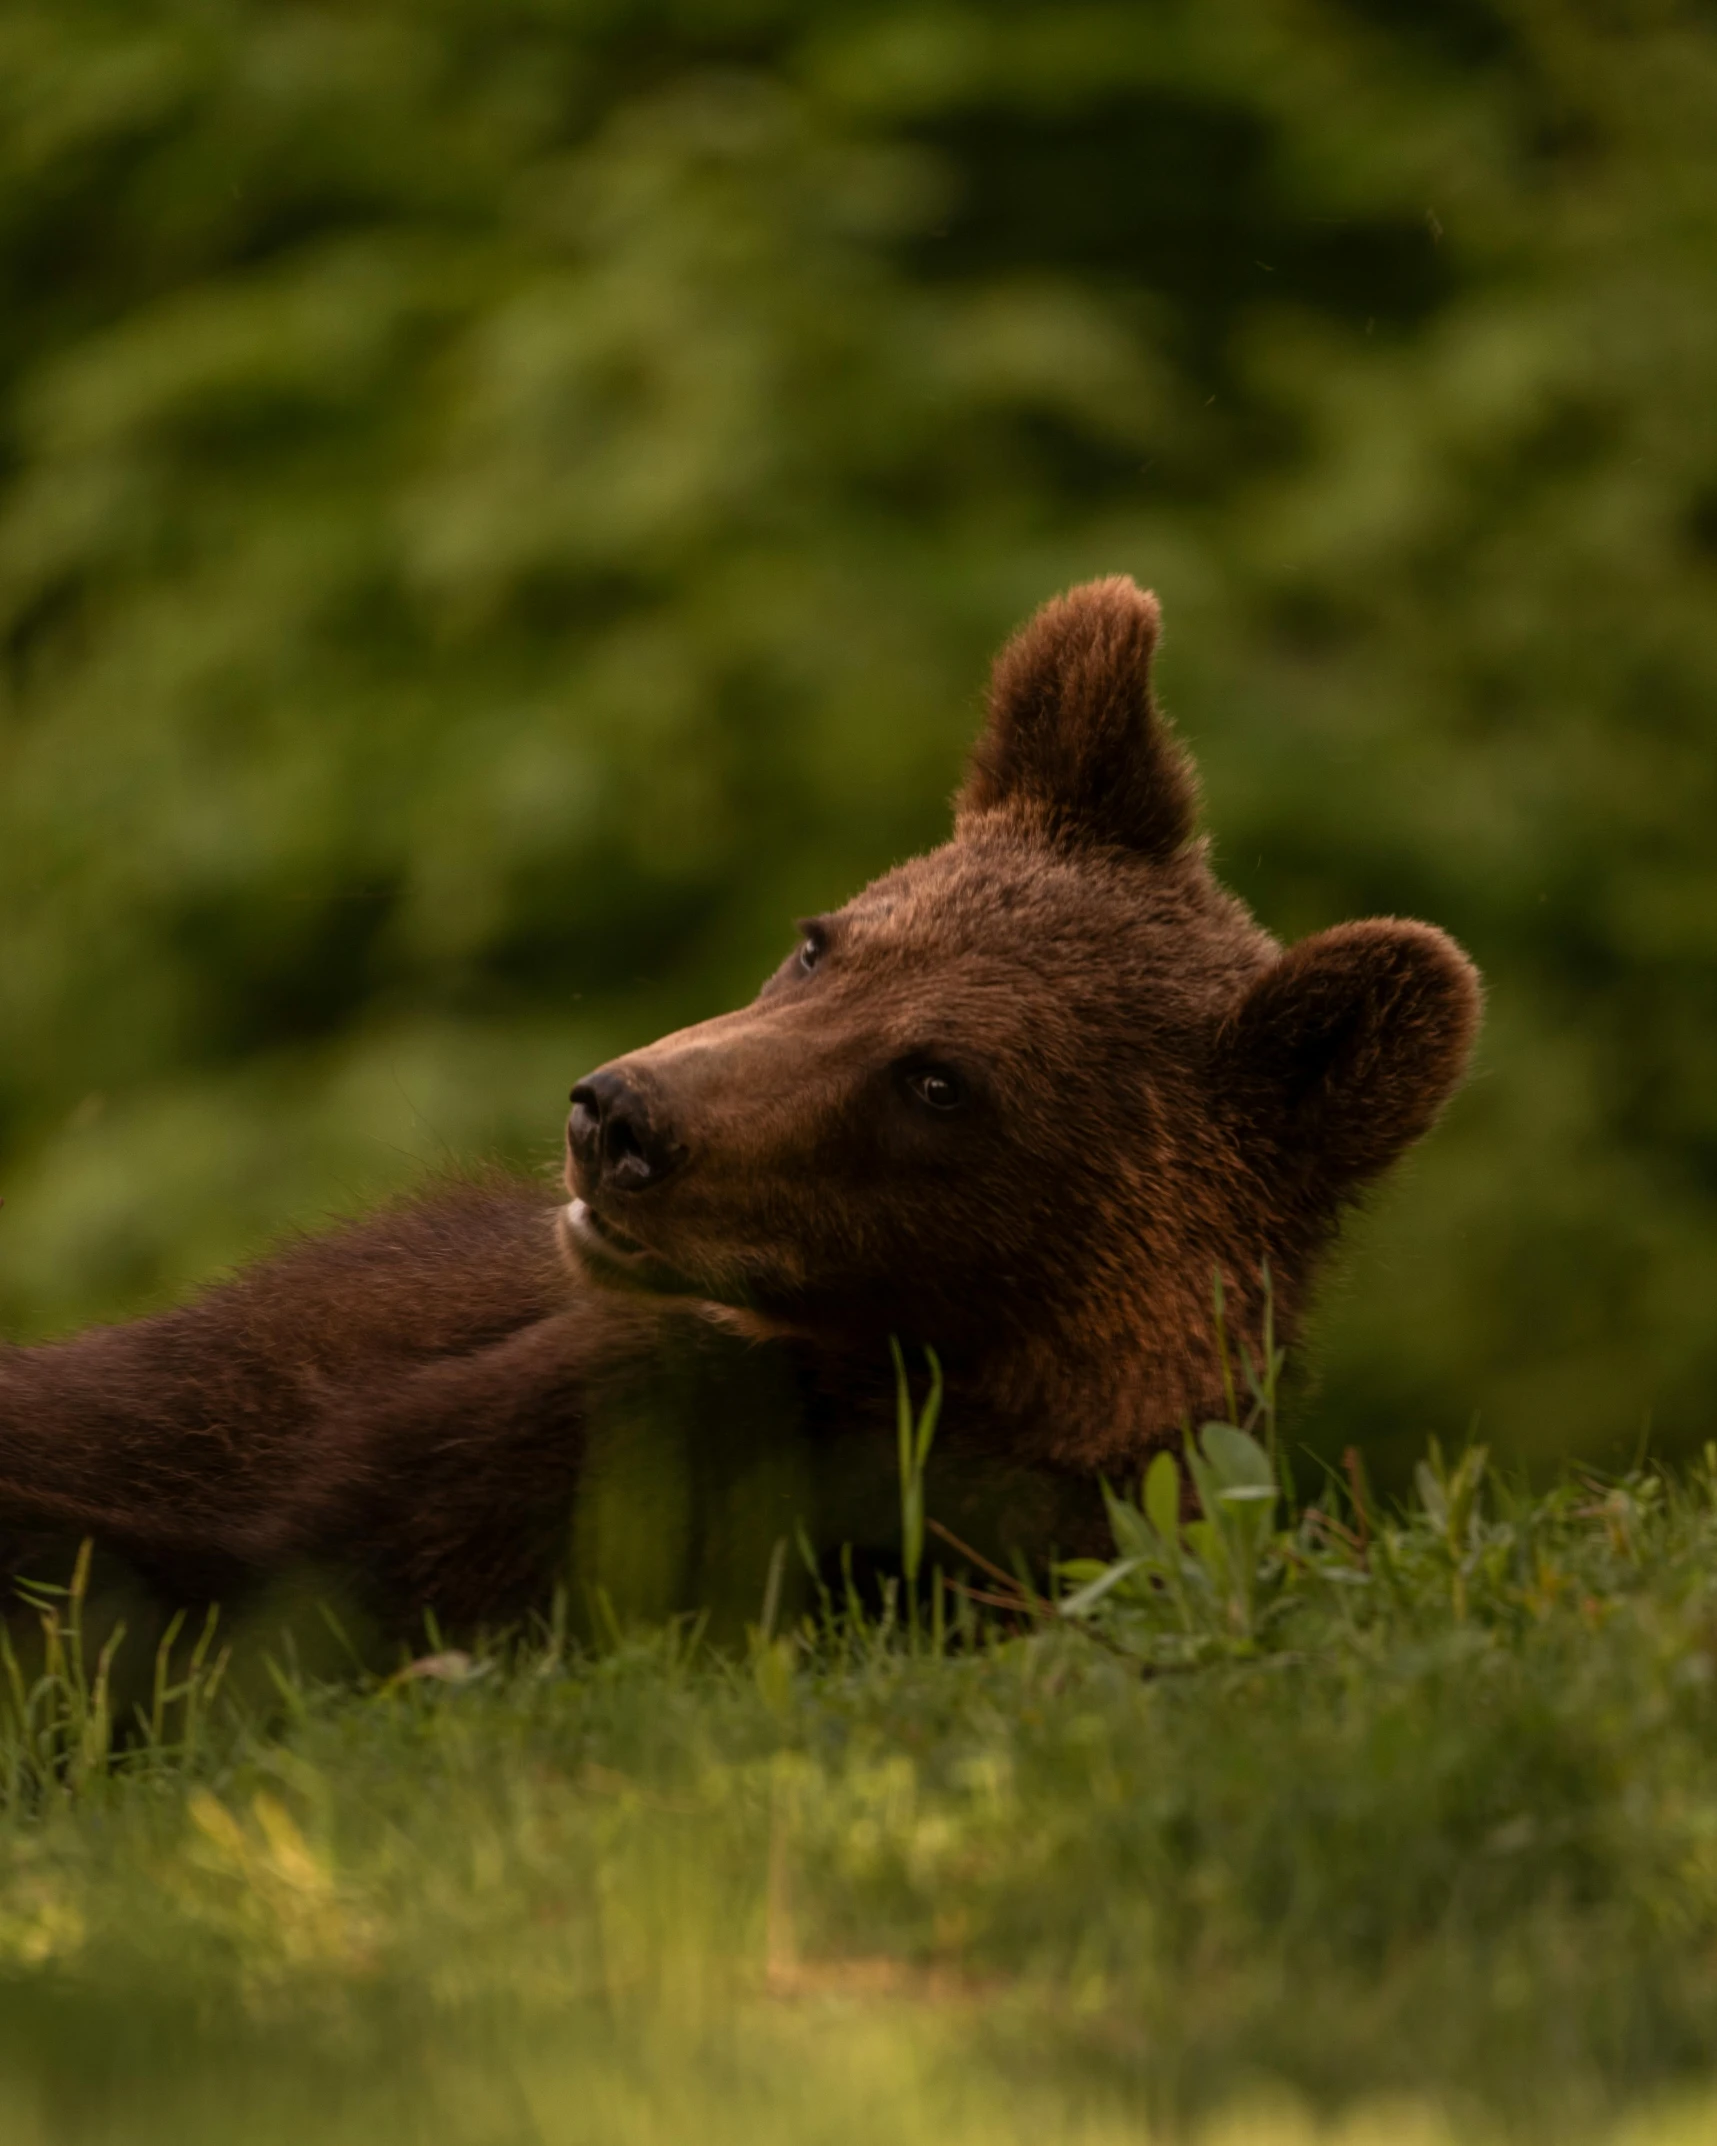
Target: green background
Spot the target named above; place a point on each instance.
(503, 503)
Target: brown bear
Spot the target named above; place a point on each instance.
(1020, 1100)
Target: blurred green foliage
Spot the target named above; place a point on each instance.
(504, 502)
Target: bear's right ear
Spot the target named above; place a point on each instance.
(1074, 742)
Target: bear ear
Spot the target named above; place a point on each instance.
(1073, 739)
(1344, 1052)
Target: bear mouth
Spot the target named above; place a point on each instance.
(608, 1254)
(585, 1223)
(605, 1254)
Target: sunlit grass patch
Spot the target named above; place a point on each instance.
(1412, 1834)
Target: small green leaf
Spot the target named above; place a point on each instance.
(1133, 1536)
(1205, 1540)
(1162, 1499)
(1236, 1459)
(1081, 1571)
(1105, 1583)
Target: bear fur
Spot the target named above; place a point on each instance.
(1019, 1100)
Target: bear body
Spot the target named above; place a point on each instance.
(1020, 1100)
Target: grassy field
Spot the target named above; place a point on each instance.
(1288, 1827)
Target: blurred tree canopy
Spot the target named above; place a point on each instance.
(505, 502)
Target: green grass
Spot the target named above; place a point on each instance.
(1334, 1825)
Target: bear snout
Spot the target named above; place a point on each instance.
(616, 1141)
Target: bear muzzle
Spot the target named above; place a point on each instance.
(618, 1147)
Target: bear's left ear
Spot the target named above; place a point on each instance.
(1344, 1052)
(1074, 741)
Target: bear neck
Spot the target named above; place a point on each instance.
(1093, 1373)
(1129, 1362)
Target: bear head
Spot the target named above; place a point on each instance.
(1025, 1097)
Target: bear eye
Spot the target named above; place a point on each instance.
(815, 946)
(937, 1089)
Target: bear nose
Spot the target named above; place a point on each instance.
(617, 1143)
